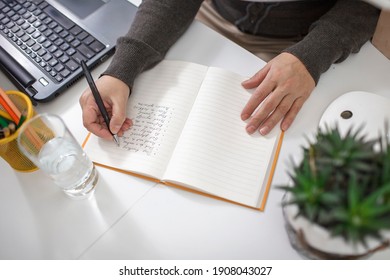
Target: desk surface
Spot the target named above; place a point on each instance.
(129, 218)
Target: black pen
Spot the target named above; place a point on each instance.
(98, 99)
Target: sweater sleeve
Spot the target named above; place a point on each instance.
(156, 27)
(341, 31)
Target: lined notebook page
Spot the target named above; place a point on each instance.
(214, 153)
(159, 106)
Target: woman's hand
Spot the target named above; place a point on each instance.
(115, 94)
(282, 86)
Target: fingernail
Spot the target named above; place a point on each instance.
(250, 129)
(115, 128)
(245, 117)
(264, 130)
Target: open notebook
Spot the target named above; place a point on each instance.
(187, 133)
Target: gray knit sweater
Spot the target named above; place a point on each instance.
(327, 37)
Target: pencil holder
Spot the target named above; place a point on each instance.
(9, 149)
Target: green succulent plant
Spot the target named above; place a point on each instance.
(343, 184)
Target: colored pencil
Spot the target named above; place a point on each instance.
(5, 115)
(9, 106)
(3, 122)
(23, 117)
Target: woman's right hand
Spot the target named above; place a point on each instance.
(115, 94)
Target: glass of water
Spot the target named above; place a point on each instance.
(49, 144)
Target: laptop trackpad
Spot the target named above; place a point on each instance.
(82, 8)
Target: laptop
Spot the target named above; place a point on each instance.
(43, 42)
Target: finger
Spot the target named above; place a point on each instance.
(278, 114)
(265, 109)
(92, 118)
(90, 113)
(94, 123)
(258, 96)
(100, 130)
(118, 115)
(292, 113)
(256, 79)
(126, 126)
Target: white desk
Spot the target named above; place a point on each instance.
(129, 218)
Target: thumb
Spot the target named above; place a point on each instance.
(118, 117)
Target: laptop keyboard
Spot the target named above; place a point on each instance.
(54, 42)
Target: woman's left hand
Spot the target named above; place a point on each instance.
(282, 87)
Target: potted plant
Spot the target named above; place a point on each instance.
(338, 203)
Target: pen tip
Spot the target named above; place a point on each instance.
(116, 139)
